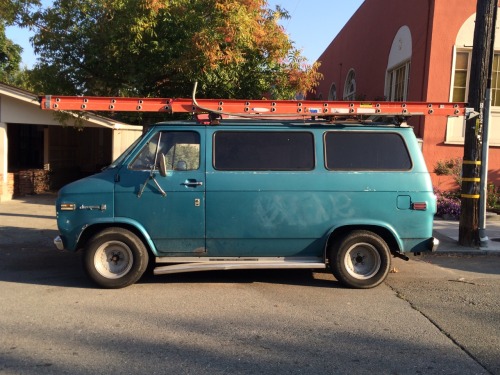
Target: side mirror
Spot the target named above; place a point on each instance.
(163, 165)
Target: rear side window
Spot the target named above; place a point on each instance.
(365, 151)
(263, 151)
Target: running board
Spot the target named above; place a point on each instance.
(195, 264)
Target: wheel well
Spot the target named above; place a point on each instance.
(90, 231)
(384, 233)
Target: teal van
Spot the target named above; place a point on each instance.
(253, 195)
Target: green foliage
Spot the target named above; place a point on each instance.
(450, 167)
(17, 11)
(10, 56)
(74, 119)
(10, 59)
(447, 201)
(492, 196)
(12, 12)
(159, 48)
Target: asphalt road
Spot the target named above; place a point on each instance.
(437, 315)
(460, 294)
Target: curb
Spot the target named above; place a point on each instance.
(448, 245)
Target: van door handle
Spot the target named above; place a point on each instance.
(192, 183)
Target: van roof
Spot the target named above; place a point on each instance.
(289, 123)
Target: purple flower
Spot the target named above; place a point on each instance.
(448, 204)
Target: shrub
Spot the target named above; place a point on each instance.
(492, 197)
(448, 204)
(450, 167)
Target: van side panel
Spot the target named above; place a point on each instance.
(281, 213)
(246, 218)
(250, 214)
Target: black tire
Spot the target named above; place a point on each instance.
(115, 258)
(361, 259)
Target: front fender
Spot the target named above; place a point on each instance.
(124, 222)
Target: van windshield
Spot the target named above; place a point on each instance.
(119, 159)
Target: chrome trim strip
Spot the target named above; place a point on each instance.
(206, 259)
(246, 264)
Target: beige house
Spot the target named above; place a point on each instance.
(38, 153)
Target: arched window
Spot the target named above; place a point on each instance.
(350, 86)
(332, 94)
(398, 66)
(462, 64)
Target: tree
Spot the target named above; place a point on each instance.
(14, 12)
(234, 48)
(10, 56)
(10, 59)
(17, 11)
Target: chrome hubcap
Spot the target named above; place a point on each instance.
(113, 259)
(362, 261)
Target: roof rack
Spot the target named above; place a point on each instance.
(263, 109)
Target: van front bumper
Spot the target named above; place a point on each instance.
(58, 242)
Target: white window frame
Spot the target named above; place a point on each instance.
(332, 93)
(350, 85)
(455, 126)
(399, 60)
(455, 129)
(495, 90)
(453, 70)
(393, 82)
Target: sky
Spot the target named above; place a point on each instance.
(312, 26)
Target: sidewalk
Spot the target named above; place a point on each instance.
(447, 233)
(28, 222)
(32, 220)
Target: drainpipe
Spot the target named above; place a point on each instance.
(427, 57)
(340, 81)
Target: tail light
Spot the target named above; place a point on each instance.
(420, 206)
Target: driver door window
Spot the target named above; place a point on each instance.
(180, 149)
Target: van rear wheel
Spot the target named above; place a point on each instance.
(115, 258)
(360, 260)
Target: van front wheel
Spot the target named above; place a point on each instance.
(115, 258)
(361, 259)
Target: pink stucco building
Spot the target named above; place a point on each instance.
(413, 50)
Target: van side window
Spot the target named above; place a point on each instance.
(181, 150)
(366, 151)
(263, 151)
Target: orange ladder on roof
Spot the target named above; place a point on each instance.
(248, 108)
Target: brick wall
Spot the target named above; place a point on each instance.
(31, 181)
(7, 189)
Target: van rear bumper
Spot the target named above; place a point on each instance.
(420, 245)
(433, 244)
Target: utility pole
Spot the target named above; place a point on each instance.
(468, 234)
(483, 201)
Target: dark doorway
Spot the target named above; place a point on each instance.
(25, 147)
